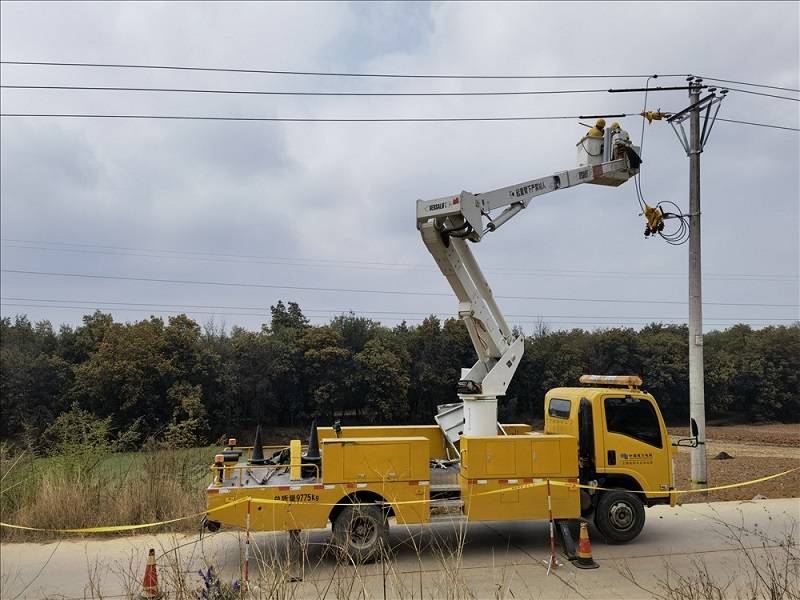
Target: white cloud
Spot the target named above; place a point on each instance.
(347, 191)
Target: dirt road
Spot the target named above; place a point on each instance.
(495, 560)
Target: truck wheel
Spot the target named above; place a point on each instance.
(360, 531)
(619, 516)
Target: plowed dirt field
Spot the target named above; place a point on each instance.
(756, 451)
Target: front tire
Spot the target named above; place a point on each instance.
(361, 531)
(619, 516)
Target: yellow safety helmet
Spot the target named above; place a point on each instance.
(615, 125)
(600, 123)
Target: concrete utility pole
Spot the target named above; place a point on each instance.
(697, 401)
(705, 110)
(693, 145)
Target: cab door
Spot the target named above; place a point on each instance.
(635, 442)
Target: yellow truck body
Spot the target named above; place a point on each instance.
(502, 477)
(603, 449)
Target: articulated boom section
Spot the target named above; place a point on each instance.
(445, 225)
(488, 330)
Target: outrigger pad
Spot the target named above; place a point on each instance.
(257, 455)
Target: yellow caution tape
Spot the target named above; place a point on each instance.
(604, 489)
(697, 491)
(119, 528)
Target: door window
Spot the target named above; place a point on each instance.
(634, 417)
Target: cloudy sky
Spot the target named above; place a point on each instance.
(330, 207)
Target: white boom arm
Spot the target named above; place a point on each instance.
(446, 224)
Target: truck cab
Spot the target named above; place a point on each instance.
(623, 446)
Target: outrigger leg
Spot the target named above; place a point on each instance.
(567, 541)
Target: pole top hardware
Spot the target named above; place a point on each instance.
(703, 105)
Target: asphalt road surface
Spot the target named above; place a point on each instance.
(736, 543)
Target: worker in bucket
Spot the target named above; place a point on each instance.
(597, 130)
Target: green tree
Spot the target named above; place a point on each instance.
(355, 331)
(189, 427)
(328, 370)
(384, 383)
(287, 317)
(124, 377)
(33, 380)
(77, 432)
(432, 370)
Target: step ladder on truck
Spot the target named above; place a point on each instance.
(607, 434)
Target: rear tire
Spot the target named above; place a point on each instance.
(619, 516)
(361, 531)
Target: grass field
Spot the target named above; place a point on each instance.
(87, 490)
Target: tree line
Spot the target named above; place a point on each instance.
(192, 384)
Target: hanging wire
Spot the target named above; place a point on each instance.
(637, 180)
(681, 234)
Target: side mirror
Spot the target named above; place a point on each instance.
(691, 442)
(337, 428)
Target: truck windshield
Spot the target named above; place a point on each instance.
(634, 417)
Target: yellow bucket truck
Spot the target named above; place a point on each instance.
(604, 452)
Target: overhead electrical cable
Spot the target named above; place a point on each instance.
(367, 291)
(337, 311)
(387, 318)
(332, 262)
(342, 119)
(319, 73)
(293, 93)
(378, 75)
(769, 125)
(762, 94)
(292, 119)
(366, 265)
(761, 85)
(542, 319)
(92, 88)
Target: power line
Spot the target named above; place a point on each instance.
(367, 291)
(339, 120)
(361, 265)
(377, 75)
(319, 73)
(93, 88)
(761, 85)
(758, 124)
(294, 93)
(596, 324)
(759, 94)
(292, 119)
(335, 311)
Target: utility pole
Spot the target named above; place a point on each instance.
(697, 401)
(701, 114)
(693, 146)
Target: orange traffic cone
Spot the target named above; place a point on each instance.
(150, 582)
(585, 560)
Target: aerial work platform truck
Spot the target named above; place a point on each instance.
(604, 452)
